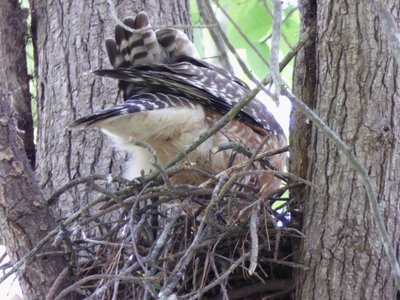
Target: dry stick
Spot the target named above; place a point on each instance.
(236, 146)
(252, 159)
(76, 285)
(103, 191)
(222, 284)
(224, 276)
(260, 156)
(372, 198)
(125, 271)
(217, 39)
(163, 237)
(156, 160)
(284, 20)
(237, 27)
(275, 46)
(229, 45)
(180, 267)
(109, 178)
(104, 243)
(254, 239)
(271, 14)
(272, 260)
(114, 265)
(134, 228)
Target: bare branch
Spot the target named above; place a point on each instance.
(275, 47)
(208, 18)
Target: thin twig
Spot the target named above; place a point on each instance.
(208, 19)
(287, 16)
(139, 280)
(271, 14)
(254, 239)
(275, 47)
(244, 36)
(87, 179)
(229, 45)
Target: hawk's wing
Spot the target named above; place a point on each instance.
(171, 97)
(188, 78)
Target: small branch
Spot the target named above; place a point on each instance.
(254, 239)
(267, 8)
(74, 287)
(275, 46)
(237, 146)
(244, 36)
(88, 179)
(217, 275)
(224, 276)
(58, 283)
(30, 255)
(156, 161)
(284, 20)
(229, 45)
(209, 18)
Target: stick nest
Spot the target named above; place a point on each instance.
(156, 240)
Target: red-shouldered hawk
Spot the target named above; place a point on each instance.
(172, 97)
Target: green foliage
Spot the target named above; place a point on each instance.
(255, 22)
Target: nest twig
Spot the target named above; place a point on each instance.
(157, 240)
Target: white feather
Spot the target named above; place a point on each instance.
(168, 131)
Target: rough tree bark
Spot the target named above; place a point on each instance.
(14, 74)
(69, 41)
(24, 216)
(357, 93)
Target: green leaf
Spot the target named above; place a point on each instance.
(251, 17)
(194, 12)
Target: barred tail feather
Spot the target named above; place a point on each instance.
(136, 104)
(176, 43)
(137, 47)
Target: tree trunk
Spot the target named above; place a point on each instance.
(14, 75)
(357, 94)
(24, 216)
(69, 41)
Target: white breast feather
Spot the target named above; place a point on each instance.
(168, 131)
